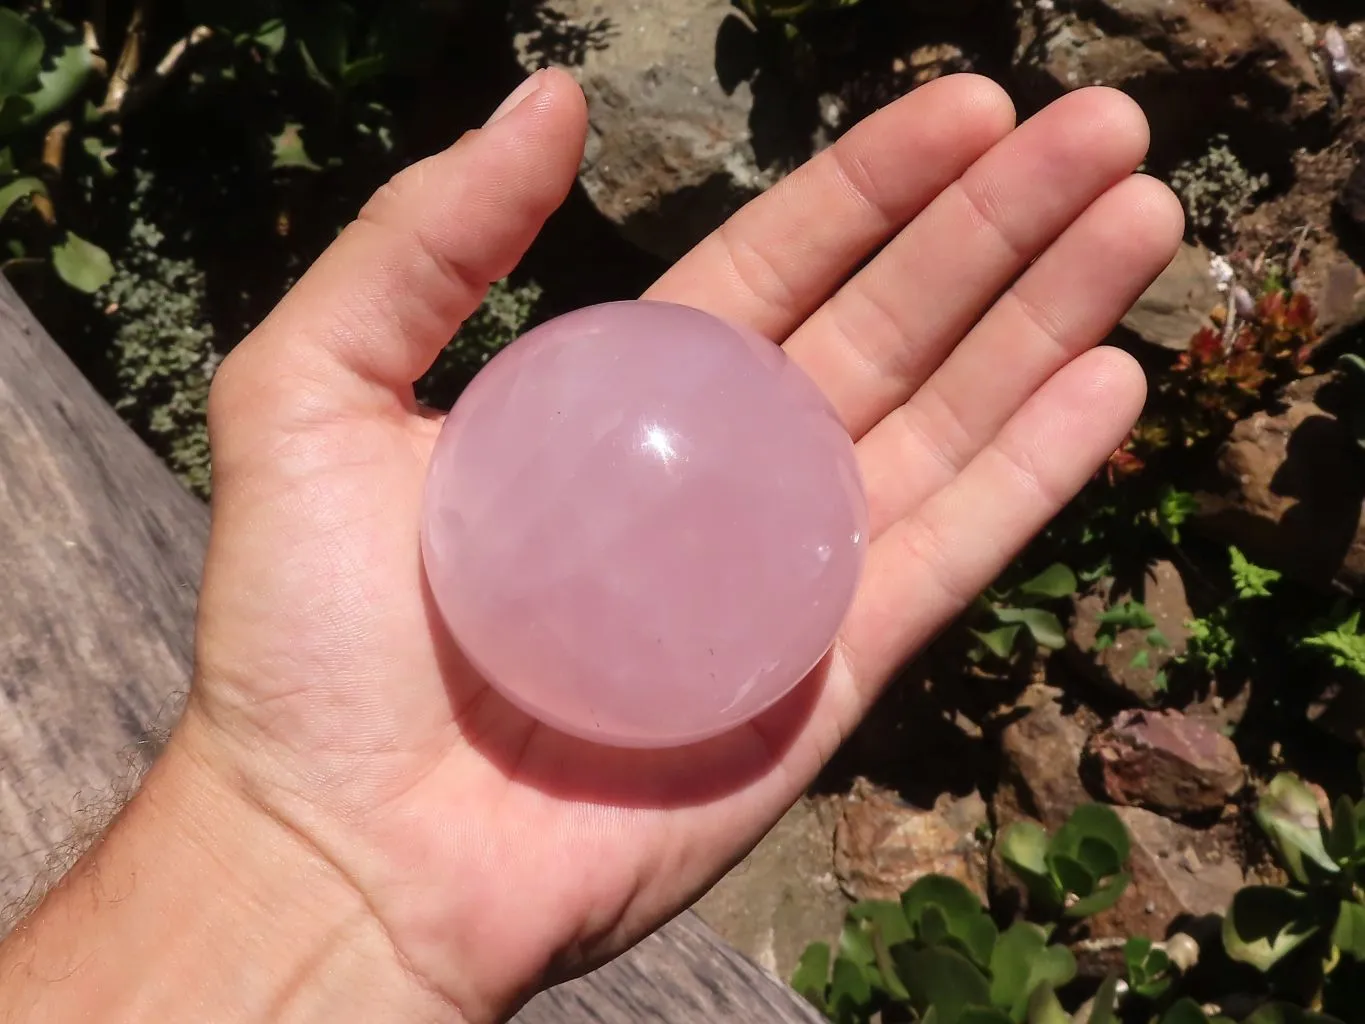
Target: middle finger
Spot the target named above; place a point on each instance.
(880, 336)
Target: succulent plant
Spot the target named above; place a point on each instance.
(1076, 872)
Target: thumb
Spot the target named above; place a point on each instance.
(372, 314)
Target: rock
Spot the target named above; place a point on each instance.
(1339, 710)
(1165, 52)
(1177, 872)
(783, 896)
(1131, 662)
(1292, 494)
(1178, 303)
(670, 149)
(882, 846)
(1167, 762)
(1351, 202)
(1040, 774)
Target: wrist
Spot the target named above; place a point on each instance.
(198, 904)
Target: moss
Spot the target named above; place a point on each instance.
(163, 351)
(506, 312)
(1216, 189)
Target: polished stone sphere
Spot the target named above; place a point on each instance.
(643, 525)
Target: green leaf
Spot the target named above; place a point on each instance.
(1288, 812)
(1044, 1008)
(811, 977)
(56, 85)
(1072, 875)
(1343, 643)
(1349, 933)
(1283, 1013)
(288, 149)
(983, 1015)
(1012, 963)
(955, 900)
(942, 978)
(81, 264)
(1099, 857)
(999, 642)
(886, 916)
(1023, 846)
(1043, 626)
(1104, 1009)
(850, 991)
(932, 925)
(855, 944)
(1250, 580)
(1054, 581)
(1186, 1011)
(1128, 614)
(1339, 838)
(21, 54)
(938, 907)
(1265, 923)
(1101, 899)
(1096, 822)
(20, 188)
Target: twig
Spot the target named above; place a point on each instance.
(54, 157)
(161, 74)
(129, 60)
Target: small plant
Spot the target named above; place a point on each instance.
(1216, 640)
(1340, 638)
(1216, 189)
(1317, 923)
(1227, 371)
(1077, 872)
(45, 64)
(1006, 616)
(938, 953)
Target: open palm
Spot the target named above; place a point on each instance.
(496, 853)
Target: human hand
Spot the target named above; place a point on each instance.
(496, 855)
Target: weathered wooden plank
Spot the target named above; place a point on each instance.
(100, 557)
(100, 553)
(682, 973)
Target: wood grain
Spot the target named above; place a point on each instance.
(682, 973)
(100, 553)
(100, 558)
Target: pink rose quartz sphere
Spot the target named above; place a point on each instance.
(643, 525)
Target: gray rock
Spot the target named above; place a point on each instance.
(1178, 303)
(782, 896)
(670, 149)
(1167, 762)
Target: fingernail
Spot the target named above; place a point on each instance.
(523, 92)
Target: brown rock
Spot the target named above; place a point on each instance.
(1293, 496)
(1165, 761)
(882, 846)
(1135, 662)
(1177, 872)
(1178, 303)
(1162, 50)
(1040, 776)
